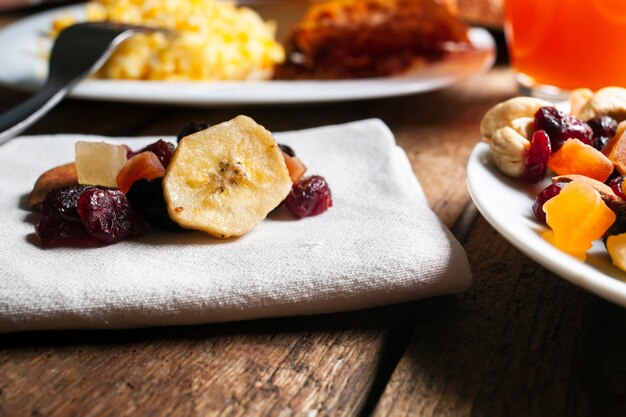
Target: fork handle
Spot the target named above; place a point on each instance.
(18, 119)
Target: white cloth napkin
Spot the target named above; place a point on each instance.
(380, 243)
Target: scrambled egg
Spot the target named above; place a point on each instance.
(215, 40)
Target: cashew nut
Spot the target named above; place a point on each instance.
(502, 114)
(525, 126)
(509, 150)
(606, 101)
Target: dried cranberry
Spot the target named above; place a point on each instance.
(604, 128)
(147, 198)
(62, 202)
(190, 128)
(162, 149)
(616, 186)
(107, 215)
(560, 126)
(309, 197)
(287, 149)
(538, 156)
(550, 191)
(51, 228)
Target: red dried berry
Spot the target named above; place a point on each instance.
(561, 126)
(51, 228)
(62, 202)
(107, 215)
(287, 149)
(538, 156)
(604, 128)
(191, 128)
(616, 186)
(550, 191)
(147, 198)
(162, 149)
(309, 197)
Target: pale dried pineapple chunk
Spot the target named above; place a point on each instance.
(98, 163)
(224, 180)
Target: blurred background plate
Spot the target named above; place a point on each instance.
(24, 46)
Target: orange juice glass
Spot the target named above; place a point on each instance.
(560, 45)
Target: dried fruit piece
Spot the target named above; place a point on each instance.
(226, 179)
(295, 167)
(162, 149)
(147, 198)
(617, 185)
(191, 128)
(62, 202)
(107, 215)
(538, 156)
(52, 228)
(575, 157)
(577, 216)
(309, 197)
(617, 152)
(144, 165)
(616, 246)
(546, 194)
(578, 98)
(98, 163)
(561, 126)
(604, 128)
(57, 177)
(287, 149)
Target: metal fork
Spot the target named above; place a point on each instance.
(78, 51)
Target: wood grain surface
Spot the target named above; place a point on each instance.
(520, 342)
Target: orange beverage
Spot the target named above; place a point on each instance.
(558, 45)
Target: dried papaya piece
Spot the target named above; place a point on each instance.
(616, 246)
(577, 217)
(575, 157)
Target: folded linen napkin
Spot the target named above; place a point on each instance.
(380, 243)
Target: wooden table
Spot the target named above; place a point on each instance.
(521, 342)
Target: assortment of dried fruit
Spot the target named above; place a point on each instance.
(586, 149)
(222, 180)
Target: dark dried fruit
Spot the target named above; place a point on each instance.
(616, 186)
(107, 215)
(162, 149)
(309, 197)
(287, 149)
(190, 128)
(560, 126)
(51, 228)
(550, 191)
(604, 128)
(538, 156)
(147, 198)
(62, 202)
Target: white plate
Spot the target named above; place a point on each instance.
(506, 205)
(24, 44)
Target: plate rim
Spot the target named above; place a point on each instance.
(585, 275)
(230, 92)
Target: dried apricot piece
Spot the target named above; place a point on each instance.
(145, 165)
(577, 216)
(575, 157)
(616, 246)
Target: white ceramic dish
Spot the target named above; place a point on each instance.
(506, 205)
(24, 45)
